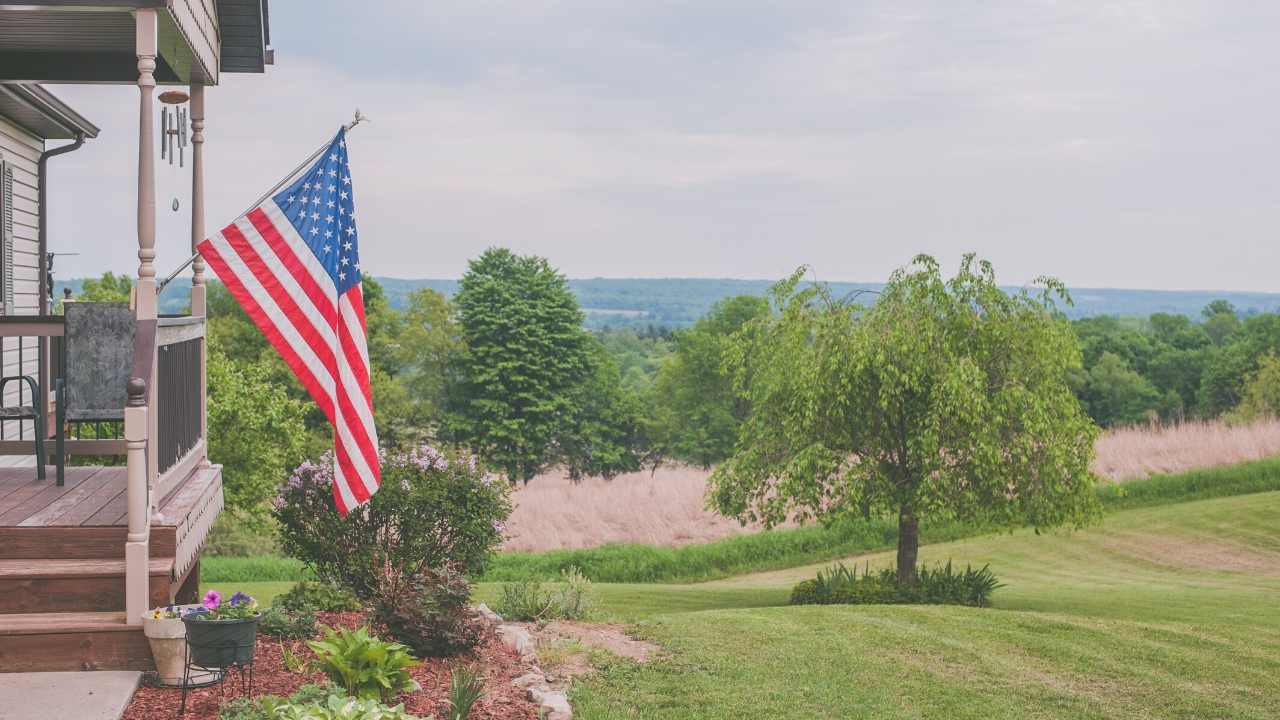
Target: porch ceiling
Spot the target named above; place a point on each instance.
(94, 42)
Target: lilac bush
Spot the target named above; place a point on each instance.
(436, 509)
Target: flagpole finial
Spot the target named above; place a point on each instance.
(359, 118)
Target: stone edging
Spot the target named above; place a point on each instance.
(554, 702)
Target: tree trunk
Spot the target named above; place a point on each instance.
(908, 545)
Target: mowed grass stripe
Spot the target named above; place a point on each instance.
(1081, 631)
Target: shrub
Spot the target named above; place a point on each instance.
(337, 707)
(433, 510)
(943, 585)
(287, 625)
(530, 601)
(428, 612)
(363, 665)
(466, 685)
(308, 596)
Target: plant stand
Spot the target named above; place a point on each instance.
(213, 649)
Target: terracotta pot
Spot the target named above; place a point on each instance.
(168, 639)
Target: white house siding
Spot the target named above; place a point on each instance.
(20, 151)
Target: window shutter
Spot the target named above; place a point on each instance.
(6, 230)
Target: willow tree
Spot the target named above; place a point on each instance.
(941, 399)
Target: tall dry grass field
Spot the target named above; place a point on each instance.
(667, 507)
(1138, 452)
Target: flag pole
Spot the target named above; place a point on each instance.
(359, 118)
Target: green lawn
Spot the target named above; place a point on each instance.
(1158, 612)
(1136, 618)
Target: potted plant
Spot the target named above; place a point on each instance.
(167, 636)
(221, 634)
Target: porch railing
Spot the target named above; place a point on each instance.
(178, 389)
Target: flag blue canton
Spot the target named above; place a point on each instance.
(319, 204)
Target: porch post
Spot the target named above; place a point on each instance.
(199, 305)
(139, 426)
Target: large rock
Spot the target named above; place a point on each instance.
(488, 615)
(554, 703)
(517, 638)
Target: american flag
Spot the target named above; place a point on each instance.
(293, 264)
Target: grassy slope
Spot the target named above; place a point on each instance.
(1129, 619)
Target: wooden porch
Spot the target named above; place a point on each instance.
(62, 564)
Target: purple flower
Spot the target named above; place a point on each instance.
(498, 527)
(212, 600)
(240, 598)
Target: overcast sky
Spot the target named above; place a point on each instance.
(1115, 144)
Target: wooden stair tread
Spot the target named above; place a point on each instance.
(68, 622)
(30, 569)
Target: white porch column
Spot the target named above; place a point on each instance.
(139, 426)
(198, 289)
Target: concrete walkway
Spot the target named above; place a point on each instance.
(80, 695)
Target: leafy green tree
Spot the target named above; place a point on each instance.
(428, 342)
(108, 288)
(603, 436)
(1220, 320)
(525, 353)
(1261, 396)
(1117, 395)
(696, 411)
(943, 399)
(256, 432)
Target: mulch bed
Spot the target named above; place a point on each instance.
(501, 700)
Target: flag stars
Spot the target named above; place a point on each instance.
(327, 234)
(328, 248)
(346, 179)
(351, 230)
(328, 219)
(315, 216)
(344, 261)
(346, 245)
(343, 194)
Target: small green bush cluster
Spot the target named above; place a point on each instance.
(428, 612)
(366, 667)
(434, 509)
(308, 596)
(942, 585)
(287, 625)
(530, 601)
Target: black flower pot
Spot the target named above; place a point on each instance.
(221, 643)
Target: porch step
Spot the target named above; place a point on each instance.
(74, 586)
(48, 642)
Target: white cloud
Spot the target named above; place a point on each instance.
(1110, 145)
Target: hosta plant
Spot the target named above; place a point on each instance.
(338, 707)
(363, 665)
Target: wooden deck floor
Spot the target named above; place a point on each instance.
(92, 496)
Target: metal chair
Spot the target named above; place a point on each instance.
(97, 360)
(35, 411)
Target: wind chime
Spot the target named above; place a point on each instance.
(173, 132)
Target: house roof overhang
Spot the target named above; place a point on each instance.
(88, 41)
(41, 113)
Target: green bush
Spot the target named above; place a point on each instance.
(530, 601)
(433, 510)
(287, 625)
(363, 665)
(309, 596)
(942, 585)
(428, 612)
